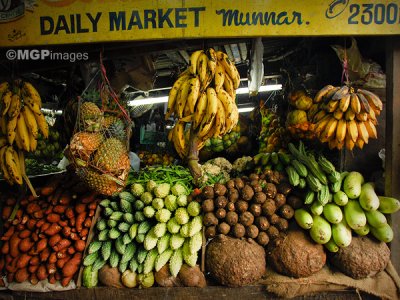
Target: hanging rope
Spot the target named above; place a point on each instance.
(345, 71)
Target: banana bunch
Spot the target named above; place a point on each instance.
(10, 163)
(20, 116)
(204, 96)
(344, 116)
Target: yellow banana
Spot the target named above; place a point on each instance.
(32, 105)
(372, 99)
(349, 142)
(212, 105)
(332, 105)
(329, 130)
(318, 116)
(212, 61)
(12, 165)
(3, 167)
(360, 143)
(362, 116)
(341, 129)
(173, 95)
(235, 118)
(207, 136)
(371, 129)
(202, 67)
(364, 103)
(230, 68)
(228, 86)
(5, 102)
(341, 92)
(376, 111)
(340, 145)
(330, 93)
(3, 141)
(23, 133)
(314, 109)
(349, 115)
(355, 104)
(179, 139)
(30, 91)
(321, 124)
(194, 57)
(11, 127)
(200, 110)
(372, 115)
(344, 102)
(205, 128)
(3, 124)
(227, 102)
(18, 140)
(15, 106)
(30, 120)
(352, 130)
(42, 124)
(193, 93)
(338, 114)
(362, 132)
(4, 87)
(219, 76)
(322, 92)
(182, 98)
(220, 120)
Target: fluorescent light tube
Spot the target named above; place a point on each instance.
(263, 88)
(245, 109)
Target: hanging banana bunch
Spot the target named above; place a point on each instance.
(204, 96)
(21, 120)
(345, 116)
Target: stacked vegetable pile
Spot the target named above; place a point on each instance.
(344, 116)
(143, 230)
(221, 143)
(355, 207)
(45, 237)
(250, 207)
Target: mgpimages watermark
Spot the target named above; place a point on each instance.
(45, 54)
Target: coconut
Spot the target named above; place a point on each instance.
(241, 267)
(364, 257)
(297, 255)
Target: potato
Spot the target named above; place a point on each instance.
(110, 277)
(192, 276)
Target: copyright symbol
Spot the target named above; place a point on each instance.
(11, 54)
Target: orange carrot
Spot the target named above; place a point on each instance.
(33, 268)
(62, 253)
(31, 224)
(48, 210)
(44, 255)
(66, 231)
(83, 234)
(6, 212)
(88, 222)
(34, 261)
(79, 245)
(25, 245)
(33, 278)
(61, 262)
(23, 260)
(91, 213)
(44, 227)
(51, 268)
(79, 221)
(57, 276)
(52, 279)
(69, 213)
(64, 243)
(42, 273)
(59, 209)
(72, 222)
(65, 199)
(65, 281)
(14, 242)
(40, 223)
(21, 275)
(20, 227)
(73, 236)
(41, 245)
(35, 237)
(53, 258)
(5, 249)
(80, 208)
(38, 214)
(71, 250)
(92, 205)
(53, 218)
(12, 266)
(8, 233)
(54, 240)
(63, 223)
(32, 207)
(53, 229)
(89, 198)
(72, 266)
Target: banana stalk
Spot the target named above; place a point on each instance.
(193, 155)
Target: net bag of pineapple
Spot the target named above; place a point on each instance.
(99, 147)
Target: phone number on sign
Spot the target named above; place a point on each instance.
(371, 13)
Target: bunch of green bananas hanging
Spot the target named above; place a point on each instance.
(204, 95)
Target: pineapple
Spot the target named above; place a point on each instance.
(90, 117)
(117, 130)
(111, 156)
(102, 183)
(83, 144)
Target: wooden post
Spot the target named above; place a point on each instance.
(392, 161)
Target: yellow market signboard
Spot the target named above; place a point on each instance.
(45, 22)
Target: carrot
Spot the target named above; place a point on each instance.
(50, 188)
(44, 255)
(38, 214)
(19, 214)
(56, 196)
(33, 268)
(92, 205)
(88, 222)
(10, 277)
(71, 250)
(65, 281)
(63, 223)
(44, 227)
(2, 263)
(79, 221)
(35, 237)
(41, 235)
(14, 242)
(41, 245)
(79, 245)
(6, 212)
(40, 223)
(53, 218)
(10, 201)
(31, 224)
(25, 245)
(34, 261)
(83, 234)
(51, 268)
(48, 210)
(33, 279)
(66, 231)
(52, 279)
(25, 219)
(54, 240)
(23, 261)
(59, 209)
(91, 213)
(32, 207)
(74, 236)
(8, 258)
(69, 213)
(24, 234)
(53, 229)
(80, 208)
(53, 258)
(89, 198)
(31, 198)
(72, 266)
(12, 266)
(57, 276)
(21, 275)
(20, 227)
(64, 243)
(65, 199)
(61, 262)
(8, 233)
(5, 249)
(42, 273)
(72, 222)
(62, 253)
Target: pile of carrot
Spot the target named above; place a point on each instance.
(46, 237)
